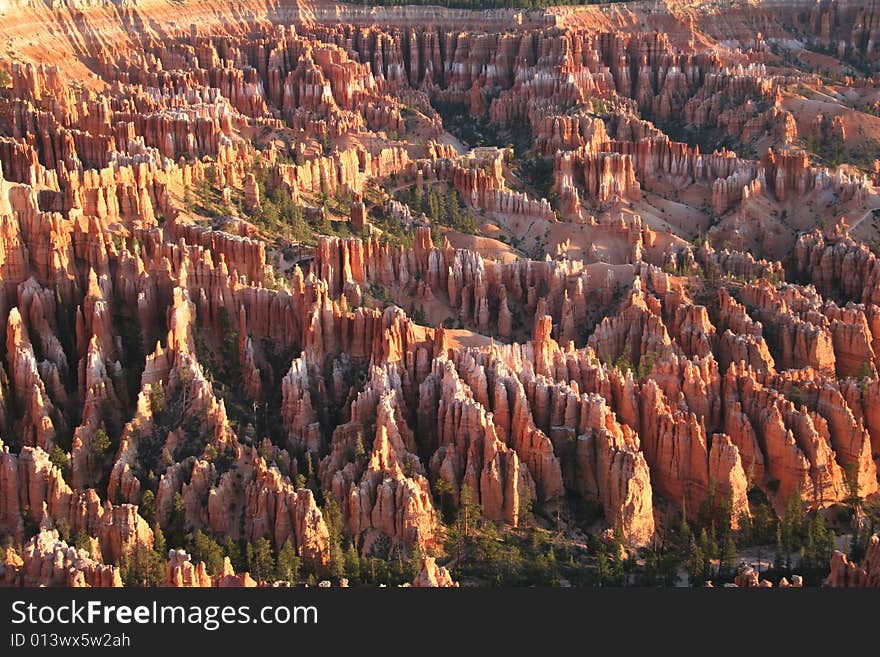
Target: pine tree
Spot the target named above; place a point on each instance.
(142, 567)
(825, 545)
(249, 557)
(552, 567)
(779, 559)
(359, 451)
(453, 212)
(442, 216)
(352, 564)
(810, 549)
(696, 563)
(436, 234)
(288, 563)
(100, 443)
(858, 545)
(763, 530)
(159, 544)
(746, 533)
(603, 567)
(791, 521)
(204, 548)
(59, 459)
(148, 506)
(468, 512)
(260, 559)
(333, 518)
(337, 560)
(728, 557)
(233, 551)
(415, 562)
(705, 543)
(684, 535)
(177, 522)
(310, 472)
(81, 540)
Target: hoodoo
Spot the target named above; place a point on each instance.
(309, 291)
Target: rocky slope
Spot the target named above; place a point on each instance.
(170, 364)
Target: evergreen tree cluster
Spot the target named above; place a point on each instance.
(381, 563)
(279, 215)
(487, 553)
(441, 207)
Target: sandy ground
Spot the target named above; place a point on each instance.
(489, 248)
(456, 337)
(449, 138)
(859, 125)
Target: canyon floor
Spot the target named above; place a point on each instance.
(305, 291)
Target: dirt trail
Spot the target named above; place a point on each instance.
(864, 216)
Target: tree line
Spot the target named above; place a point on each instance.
(444, 208)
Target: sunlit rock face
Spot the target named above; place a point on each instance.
(330, 276)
